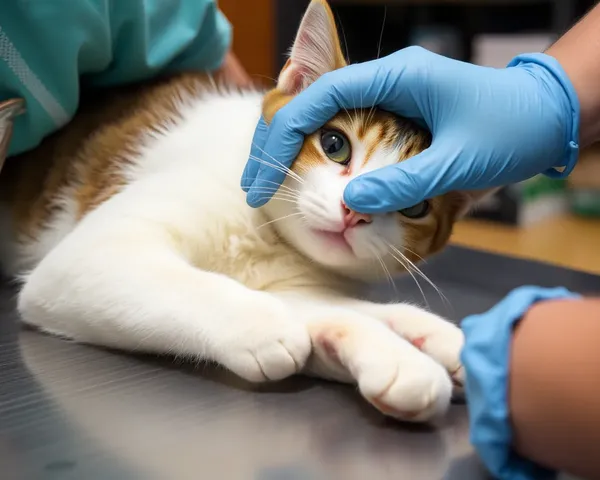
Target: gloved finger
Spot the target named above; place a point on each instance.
(355, 86)
(403, 185)
(361, 85)
(281, 143)
(307, 112)
(258, 143)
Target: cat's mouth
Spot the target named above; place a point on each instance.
(335, 239)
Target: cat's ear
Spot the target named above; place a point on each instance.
(316, 50)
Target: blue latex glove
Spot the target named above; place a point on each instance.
(485, 357)
(490, 127)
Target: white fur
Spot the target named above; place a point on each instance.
(178, 263)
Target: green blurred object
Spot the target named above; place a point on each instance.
(585, 202)
(526, 203)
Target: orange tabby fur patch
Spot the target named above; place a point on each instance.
(89, 154)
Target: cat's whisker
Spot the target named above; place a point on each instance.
(420, 273)
(415, 254)
(258, 75)
(280, 199)
(348, 115)
(347, 53)
(279, 218)
(271, 190)
(284, 170)
(375, 102)
(410, 272)
(273, 199)
(281, 165)
(277, 186)
(294, 198)
(388, 274)
(377, 97)
(381, 33)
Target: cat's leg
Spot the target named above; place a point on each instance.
(125, 286)
(391, 373)
(430, 333)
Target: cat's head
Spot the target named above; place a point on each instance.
(308, 210)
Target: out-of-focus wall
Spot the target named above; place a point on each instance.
(253, 34)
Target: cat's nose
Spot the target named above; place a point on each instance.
(352, 218)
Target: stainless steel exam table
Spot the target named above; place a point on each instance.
(76, 412)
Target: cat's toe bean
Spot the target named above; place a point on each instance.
(412, 391)
(270, 346)
(434, 336)
(271, 358)
(287, 356)
(444, 346)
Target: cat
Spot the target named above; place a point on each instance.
(128, 229)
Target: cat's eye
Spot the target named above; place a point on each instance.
(336, 146)
(419, 210)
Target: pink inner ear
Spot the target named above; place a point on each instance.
(308, 59)
(297, 76)
(291, 79)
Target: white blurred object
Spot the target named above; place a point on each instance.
(498, 49)
(443, 40)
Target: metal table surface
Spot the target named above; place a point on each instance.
(69, 411)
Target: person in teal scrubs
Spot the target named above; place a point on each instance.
(47, 48)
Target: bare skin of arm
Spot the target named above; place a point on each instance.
(554, 387)
(233, 73)
(578, 51)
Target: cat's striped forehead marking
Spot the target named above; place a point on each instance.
(379, 130)
(372, 129)
(375, 136)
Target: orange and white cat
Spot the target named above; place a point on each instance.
(129, 230)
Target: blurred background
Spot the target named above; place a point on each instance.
(550, 220)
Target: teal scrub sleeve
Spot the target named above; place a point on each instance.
(47, 48)
(485, 357)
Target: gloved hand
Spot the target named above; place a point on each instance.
(485, 357)
(490, 127)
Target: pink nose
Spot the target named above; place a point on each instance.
(352, 218)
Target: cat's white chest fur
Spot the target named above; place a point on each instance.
(189, 179)
(186, 180)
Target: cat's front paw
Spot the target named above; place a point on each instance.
(433, 335)
(265, 343)
(411, 388)
(397, 379)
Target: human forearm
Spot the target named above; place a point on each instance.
(554, 386)
(578, 51)
(231, 72)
